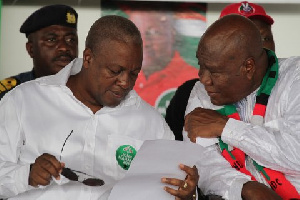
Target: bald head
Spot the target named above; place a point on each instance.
(232, 35)
(112, 27)
(232, 59)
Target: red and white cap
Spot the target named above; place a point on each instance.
(249, 10)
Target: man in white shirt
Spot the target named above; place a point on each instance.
(73, 135)
(245, 111)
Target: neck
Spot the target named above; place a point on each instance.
(79, 92)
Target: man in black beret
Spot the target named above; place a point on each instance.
(52, 43)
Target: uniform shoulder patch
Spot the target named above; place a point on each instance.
(8, 84)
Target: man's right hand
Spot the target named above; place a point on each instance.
(254, 190)
(43, 169)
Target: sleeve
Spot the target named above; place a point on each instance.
(218, 177)
(276, 144)
(13, 174)
(175, 110)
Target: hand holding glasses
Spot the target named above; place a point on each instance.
(81, 177)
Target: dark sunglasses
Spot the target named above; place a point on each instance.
(81, 177)
(78, 176)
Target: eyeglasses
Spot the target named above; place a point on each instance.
(79, 176)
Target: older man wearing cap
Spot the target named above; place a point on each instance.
(52, 43)
(257, 14)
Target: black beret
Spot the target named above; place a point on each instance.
(50, 15)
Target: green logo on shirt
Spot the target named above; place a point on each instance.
(124, 156)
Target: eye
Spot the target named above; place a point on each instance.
(71, 39)
(134, 74)
(51, 39)
(215, 74)
(267, 39)
(200, 72)
(115, 72)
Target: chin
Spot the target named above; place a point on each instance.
(215, 102)
(219, 102)
(113, 104)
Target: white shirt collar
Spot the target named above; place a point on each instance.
(74, 67)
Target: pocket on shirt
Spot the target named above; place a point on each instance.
(121, 150)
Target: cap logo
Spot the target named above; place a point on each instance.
(71, 19)
(124, 156)
(246, 9)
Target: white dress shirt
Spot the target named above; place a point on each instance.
(37, 117)
(275, 145)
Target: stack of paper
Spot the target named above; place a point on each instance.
(154, 160)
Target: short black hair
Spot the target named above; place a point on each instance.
(112, 27)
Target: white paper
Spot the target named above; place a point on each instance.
(204, 142)
(154, 160)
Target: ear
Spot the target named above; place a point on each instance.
(29, 48)
(87, 57)
(249, 68)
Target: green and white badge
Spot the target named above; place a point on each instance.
(124, 156)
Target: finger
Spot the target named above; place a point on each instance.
(43, 180)
(184, 189)
(190, 134)
(181, 194)
(51, 164)
(38, 176)
(192, 138)
(43, 168)
(33, 183)
(192, 171)
(173, 181)
(192, 177)
(52, 159)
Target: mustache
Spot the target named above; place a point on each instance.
(63, 56)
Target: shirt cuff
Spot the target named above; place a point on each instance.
(23, 174)
(233, 132)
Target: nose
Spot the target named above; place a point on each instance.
(62, 45)
(124, 80)
(205, 77)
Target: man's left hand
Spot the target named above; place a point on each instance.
(186, 188)
(204, 123)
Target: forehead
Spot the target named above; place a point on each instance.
(114, 51)
(218, 57)
(56, 29)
